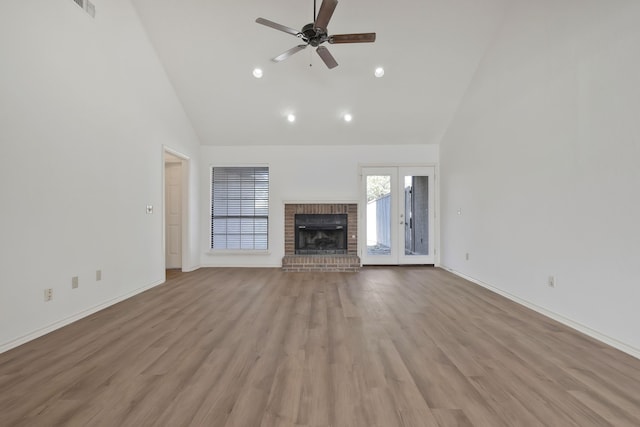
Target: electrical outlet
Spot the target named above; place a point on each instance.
(74, 282)
(551, 282)
(48, 294)
(466, 256)
(98, 275)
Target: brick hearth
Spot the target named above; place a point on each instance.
(350, 262)
(327, 263)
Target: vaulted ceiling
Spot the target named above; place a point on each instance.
(429, 49)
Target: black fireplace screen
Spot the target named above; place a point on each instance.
(321, 234)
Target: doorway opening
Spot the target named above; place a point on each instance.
(175, 209)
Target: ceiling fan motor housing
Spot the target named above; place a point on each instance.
(313, 35)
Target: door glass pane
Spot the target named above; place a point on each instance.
(416, 215)
(378, 215)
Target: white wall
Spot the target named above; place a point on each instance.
(542, 159)
(298, 174)
(85, 110)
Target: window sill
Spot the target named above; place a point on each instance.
(228, 252)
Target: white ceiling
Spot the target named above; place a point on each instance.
(430, 50)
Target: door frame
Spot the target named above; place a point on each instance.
(362, 209)
(184, 203)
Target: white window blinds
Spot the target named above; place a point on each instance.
(240, 208)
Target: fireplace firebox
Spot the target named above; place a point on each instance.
(320, 234)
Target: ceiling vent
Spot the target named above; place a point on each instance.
(87, 6)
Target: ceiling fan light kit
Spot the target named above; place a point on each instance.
(316, 33)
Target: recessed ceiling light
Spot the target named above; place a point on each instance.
(257, 73)
(348, 117)
(291, 118)
(379, 72)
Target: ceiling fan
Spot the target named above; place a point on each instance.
(315, 34)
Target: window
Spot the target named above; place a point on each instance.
(240, 208)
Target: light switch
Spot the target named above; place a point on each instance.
(149, 209)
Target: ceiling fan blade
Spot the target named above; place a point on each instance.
(326, 56)
(353, 38)
(324, 14)
(277, 26)
(285, 55)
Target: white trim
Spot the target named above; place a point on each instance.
(68, 320)
(320, 202)
(436, 187)
(555, 316)
(398, 165)
(223, 252)
(175, 153)
(239, 165)
(190, 269)
(270, 265)
(185, 188)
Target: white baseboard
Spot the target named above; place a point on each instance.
(555, 316)
(68, 320)
(190, 269)
(235, 265)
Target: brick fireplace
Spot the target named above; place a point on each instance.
(330, 260)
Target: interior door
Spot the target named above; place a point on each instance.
(399, 216)
(173, 215)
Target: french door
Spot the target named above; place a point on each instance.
(399, 215)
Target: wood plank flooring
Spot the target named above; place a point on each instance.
(410, 346)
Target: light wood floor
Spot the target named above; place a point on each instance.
(258, 347)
